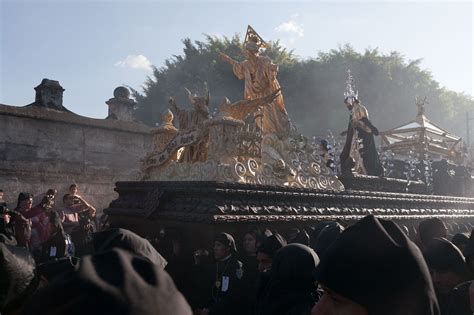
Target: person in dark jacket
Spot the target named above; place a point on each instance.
(267, 250)
(251, 241)
(227, 289)
(265, 254)
(448, 269)
(372, 269)
(291, 289)
(201, 280)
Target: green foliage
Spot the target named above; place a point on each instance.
(313, 88)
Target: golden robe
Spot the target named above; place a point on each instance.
(260, 81)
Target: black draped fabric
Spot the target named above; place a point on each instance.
(368, 151)
(347, 163)
(114, 282)
(374, 264)
(290, 288)
(125, 239)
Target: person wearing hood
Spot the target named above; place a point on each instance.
(265, 254)
(267, 250)
(290, 289)
(113, 282)
(121, 238)
(327, 236)
(298, 236)
(251, 241)
(373, 269)
(448, 269)
(227, 289)
(429, 229)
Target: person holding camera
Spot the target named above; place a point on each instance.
(74, 207)
(30, 223)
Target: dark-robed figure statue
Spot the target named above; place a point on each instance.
(360, 155)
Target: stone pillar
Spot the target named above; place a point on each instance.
(121, 105)
(163, 134)
(49, 94)
(223, 138)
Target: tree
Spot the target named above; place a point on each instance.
(313, 88)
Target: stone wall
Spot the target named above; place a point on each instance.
(42, 148)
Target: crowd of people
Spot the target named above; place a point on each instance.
(372, 266)
(45, 226)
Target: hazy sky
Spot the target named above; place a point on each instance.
(91, 47)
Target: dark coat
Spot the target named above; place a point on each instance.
(227, 288)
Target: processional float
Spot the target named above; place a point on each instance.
(248, 165)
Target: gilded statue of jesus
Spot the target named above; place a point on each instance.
(259, 74)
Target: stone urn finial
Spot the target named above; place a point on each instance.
(121, 105)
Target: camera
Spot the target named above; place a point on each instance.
(3, 208)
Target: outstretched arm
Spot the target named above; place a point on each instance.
(228, 59)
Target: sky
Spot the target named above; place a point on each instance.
(91, 47)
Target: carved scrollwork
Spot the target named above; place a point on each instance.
(323, 182)
(252, 166)
(240, 169)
